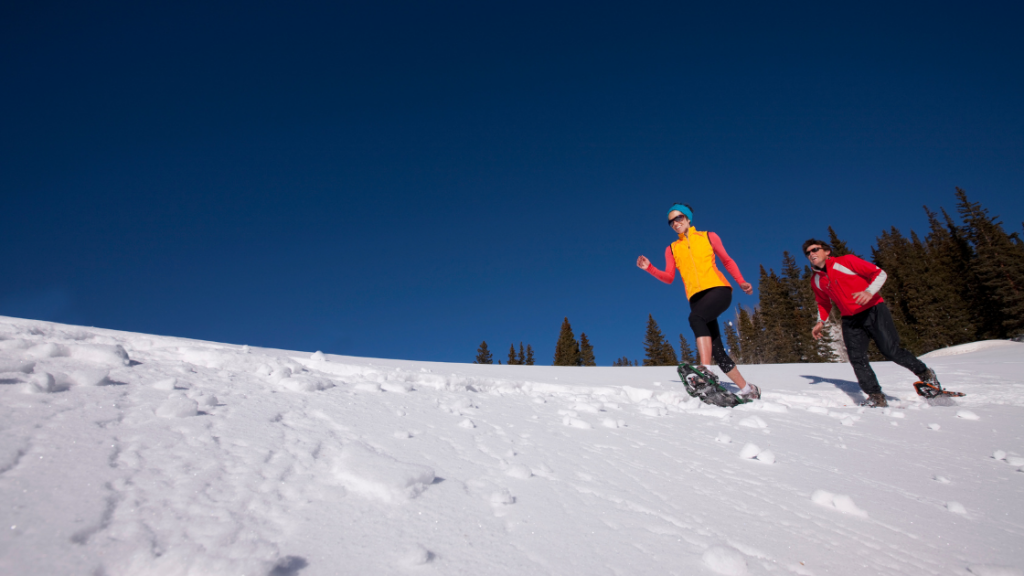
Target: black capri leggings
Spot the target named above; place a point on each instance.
(705, 308)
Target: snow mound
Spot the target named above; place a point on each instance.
(840, 502)
(975, 347)
(369, 473)
(724, 560)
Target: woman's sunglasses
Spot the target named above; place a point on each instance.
(679, 218)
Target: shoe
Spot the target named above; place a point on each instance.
(705, 370)
(930, 378)
(751, 391)
(928, 386)
(875, 401)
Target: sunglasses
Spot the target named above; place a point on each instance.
(812, 251)
(679, 218)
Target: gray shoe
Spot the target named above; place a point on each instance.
(751, 392)
(930, 378)
(875, 401)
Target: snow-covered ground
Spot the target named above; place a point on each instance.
(131, 454)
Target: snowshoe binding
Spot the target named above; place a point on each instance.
(929, 387)
(702, 384)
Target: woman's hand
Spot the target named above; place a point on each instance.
(643, 263)
(747, 288)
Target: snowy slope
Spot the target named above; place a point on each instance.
(125, 454)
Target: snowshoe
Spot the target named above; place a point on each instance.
(929, 387)
(702, 384)
(935, 390)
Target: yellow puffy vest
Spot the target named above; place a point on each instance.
(695, 260)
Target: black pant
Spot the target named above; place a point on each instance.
(705, 308)
(875, 323)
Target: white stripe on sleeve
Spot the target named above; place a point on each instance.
(875, 286)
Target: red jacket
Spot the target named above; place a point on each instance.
(842, 276)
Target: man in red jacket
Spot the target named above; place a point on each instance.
(853, 285)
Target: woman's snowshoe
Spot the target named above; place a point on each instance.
(701, 383)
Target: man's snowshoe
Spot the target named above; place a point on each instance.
(934, 390)
(929, 387)
(701, 383)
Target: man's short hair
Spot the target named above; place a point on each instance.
(812, 242)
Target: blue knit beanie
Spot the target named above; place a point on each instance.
(684, 209)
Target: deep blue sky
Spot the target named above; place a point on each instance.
(406, 179)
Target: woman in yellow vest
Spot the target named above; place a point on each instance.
(709, 293)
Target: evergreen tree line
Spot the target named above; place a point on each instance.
(523, 358)
(960, 283)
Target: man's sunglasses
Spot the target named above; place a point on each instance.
(812, 251)
(679, 218)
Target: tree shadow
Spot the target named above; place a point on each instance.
(851, 388)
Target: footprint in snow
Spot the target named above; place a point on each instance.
(518, 471)
(178, 406)
(502, 498)
(754, 422)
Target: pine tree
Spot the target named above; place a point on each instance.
(800, 296)
(748, 339)
(685, 352)
(935, 296)
(657, 349)
(761, 337)
(732, 340)
(777, 315)
(483, 355)
(839, 247)
(998, 264)
(529, 355)
(894, 255)
(521, 360)
(623, 362)
(567, 348)
(512, 355)
(586, 351)
(969, 286)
